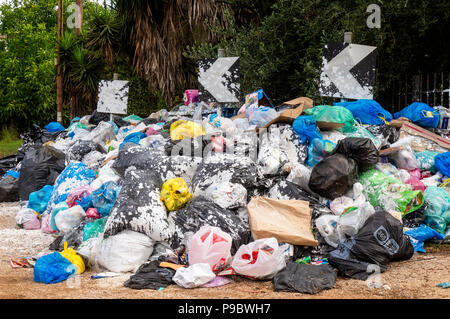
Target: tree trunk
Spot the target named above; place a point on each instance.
(80, 4)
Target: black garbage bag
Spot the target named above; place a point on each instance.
(40, 167)
(9, 189)
(150, 121)
(391, 133)
(10, 162)
(222, 167)
(74, 238)
(196, 147)
(151, 276)
(380, 241)
(167, 167)
(333, 176)
(362, 150)
(416, 218)
(38, 136)
(200, 212)
(135, 155)
(97, 117)
(139, 208)
(80, 149)
(306, 279)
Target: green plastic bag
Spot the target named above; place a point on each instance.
(94, 229)
(389, 193)
(75, 126)
(437, 208)
(133, 119)
(426, 160)
(362, 132)
(333, 114)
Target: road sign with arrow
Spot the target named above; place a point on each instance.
(348, 71)
(219, 80)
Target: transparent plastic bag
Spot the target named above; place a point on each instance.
(261, 259)
(212, 246)
(327, 226)
(351, 222)
(67, 219)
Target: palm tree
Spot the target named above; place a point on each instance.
(159, 30)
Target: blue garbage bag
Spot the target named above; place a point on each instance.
(420, 114)
(104, 198)
(54, 127)
(53, 268)
(367, 111)
(133, 138)
(442, 163)
(75, 175)
(306, 128)
(12, 173)
(38, 201)
(420, 235)
(318, 149)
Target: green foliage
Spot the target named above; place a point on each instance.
(27, 92)
(141, 100)
(281, 51)
(9, 141)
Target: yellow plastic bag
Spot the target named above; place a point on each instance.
(182, 129)
(74, 258)
(175, 194)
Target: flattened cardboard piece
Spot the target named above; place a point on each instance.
(390, 150)
(329, 126)
(398, 123)
(289, 221)
(287, 116)
(306, 102)
(413, 129)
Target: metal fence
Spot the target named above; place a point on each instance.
(430, 88)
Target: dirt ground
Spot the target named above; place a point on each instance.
(413, 279)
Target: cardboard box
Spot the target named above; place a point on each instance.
(413, 129)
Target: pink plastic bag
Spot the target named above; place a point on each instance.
(190, 96)
(415, 181)
(46, 226)
(212, 246)
(78, 194)
(151, 132)
(92, 213)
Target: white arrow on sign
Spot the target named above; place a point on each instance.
(212, 79)
(338, 71)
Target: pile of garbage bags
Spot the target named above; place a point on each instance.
(191, 197)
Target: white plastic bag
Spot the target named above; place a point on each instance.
(227, 195)
(242, 124)
(300, 175)
(67, 219)
(350, 223)
(194, 276)
(327, 226)
(340, 204)
(124, 252)
(28, 219)
(261, 259)
(212, 246)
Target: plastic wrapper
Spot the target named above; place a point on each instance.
(175, 194)
(194, 276)
(200, 212)
(227, 195)
(390, 193)
(327, 226)
(319, 149)
(426, 160)
(139, 208)
(94, 229)
(261, 259)
(333, 176)
(333, 136)
(351, 221)
(210, 245)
